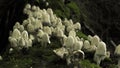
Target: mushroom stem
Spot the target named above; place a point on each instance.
(98, 62)
(119, 63)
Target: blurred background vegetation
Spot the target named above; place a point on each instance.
(99, 17)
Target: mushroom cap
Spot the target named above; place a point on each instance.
(16, 34)
(21, 28)
(89, 37)
(40, 33)
(86, 44)
(28, 6)
(16, 26)
(1, 57)
(117, 50)
(47, 30)
(34, 8)
(79, 54)
(72, 33)
(13, 42)
(30, 27)
(95, 40)
(101, 48)
(46, 38)
(22, 42)
(60, 33)
(61, 52)
(77, 26)
(69, 42)
(78, 45)
(25, 35)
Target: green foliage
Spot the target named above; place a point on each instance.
(113, 66)
(59, 8)
(73, 6)
(81, 35)
(16, 63)
(88, 64)
(59, 13)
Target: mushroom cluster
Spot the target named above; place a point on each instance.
(42, 24)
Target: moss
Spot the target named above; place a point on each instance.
(112, 66)
(88, 64)
(81, 35)
(73, 6)
(74, 10)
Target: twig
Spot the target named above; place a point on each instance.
(113, 43)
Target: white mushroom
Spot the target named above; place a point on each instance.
(1, 58)
(10, 50)
(45, 39)
(28, 43)
(117, 53)
(69, 28)
(47, 4)
(78, 45)
(89, 37)
(38, 25)
(72, 33)
(60, 52)
(25, 22)
(77, 26)
(28, 6)
(32, 37)
(79, 54)
(16, 34)
(22, 42)
(69, 42)
(47, 30)
(86, 45)
(34, 7)
(25, 35)
(50, 12)
(95, 40)
(30, 28)
(16, 26)
(46, 18)
(13, 42)
(21, 28)
(40, 33)
(66, 22)
(100, 52)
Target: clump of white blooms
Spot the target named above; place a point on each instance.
(41, 24)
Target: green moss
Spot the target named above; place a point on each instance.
(88, 64)
(73, 6)
(81, 35)
(113, 66)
